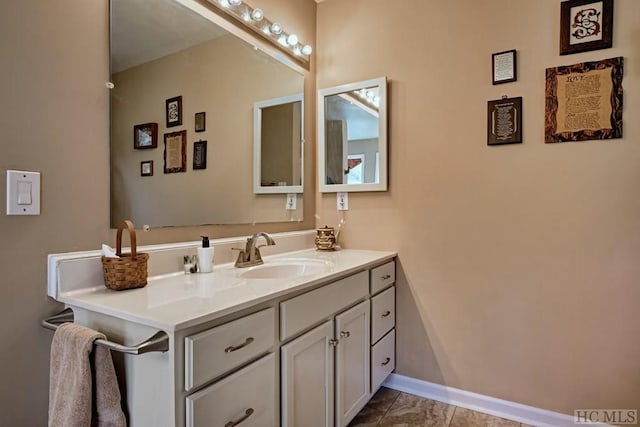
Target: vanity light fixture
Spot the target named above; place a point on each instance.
(368, 96)
(256, 20)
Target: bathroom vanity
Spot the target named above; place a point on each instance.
(303, 340)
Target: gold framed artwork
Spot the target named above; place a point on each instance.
(175, 152)
(584, 101)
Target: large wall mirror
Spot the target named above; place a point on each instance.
(352, 137)
(182, 111)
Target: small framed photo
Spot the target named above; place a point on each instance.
(585, 25)
(200, 125)
(175, 152)
(504, 121)
(503, 65)
(145, 136)
(146, 168)
(200, 155)
(174, 111)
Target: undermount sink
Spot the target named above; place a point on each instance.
(283, 269)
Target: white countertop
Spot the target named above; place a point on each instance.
(177, 301)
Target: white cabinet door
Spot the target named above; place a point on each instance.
(352, 362)
(307, 379)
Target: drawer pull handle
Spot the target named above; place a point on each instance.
(386, 277)
(345, 334)
(246, 415)
(386, 361)
(333, 343)
(232, 348)
(385, 314)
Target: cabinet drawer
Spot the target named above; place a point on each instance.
(383, 313)
(383, 276)
(301, 312)
(248, 393)
(213, 352)
(383, 360)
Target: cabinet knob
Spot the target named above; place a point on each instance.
(333, 343)
(246, 415)
(345, 334)
(385, 314)
(386, 361)
(233, 348)
(386, 277)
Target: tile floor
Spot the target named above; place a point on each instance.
(393, 408)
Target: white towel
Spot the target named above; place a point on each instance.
(73, 399)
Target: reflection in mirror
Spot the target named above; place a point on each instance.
(352, 137)
(278, 148)
(161, 50)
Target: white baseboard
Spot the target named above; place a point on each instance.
(480, 403)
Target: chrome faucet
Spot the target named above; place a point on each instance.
(250, 255)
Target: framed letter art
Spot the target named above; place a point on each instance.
(585, 25)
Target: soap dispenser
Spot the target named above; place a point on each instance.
(205, 256)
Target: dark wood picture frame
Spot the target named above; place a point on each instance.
(173, 110)
(504, 67)
(200, 155)
(145, 136)
(574, 73)
(593, 24)
(200, 124)
(175, 152)
(504, 121)
(146, 168)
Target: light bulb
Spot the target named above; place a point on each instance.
(376, 100)
(306, 49)
(257, 15)
(292, 40)
(235, 2)
(276, 28)
(297, 51)
(225, 3)
(370, 95)
(282, 40)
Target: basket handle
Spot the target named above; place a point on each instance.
(132, 238)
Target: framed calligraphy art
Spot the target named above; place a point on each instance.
(175, 152)
(584, 101)
(504, 121)
(585, 25)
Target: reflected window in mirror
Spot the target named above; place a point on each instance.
(352, 137)
(278, 145)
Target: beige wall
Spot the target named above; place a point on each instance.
(224, 78)
(519, 265)
(52, 80)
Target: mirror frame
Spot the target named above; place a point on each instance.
(257, 145)
(323, 187)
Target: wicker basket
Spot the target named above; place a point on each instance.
(130, 270)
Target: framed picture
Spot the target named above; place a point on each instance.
(200, 124)
(584, 101)
(145, 136)
(146, 168)
(174, 111)
(585, 25)
(503, 66)
(504, 121)
(200, 155)
(175, 152)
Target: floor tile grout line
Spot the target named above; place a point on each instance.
(388, 409)
(452, 415)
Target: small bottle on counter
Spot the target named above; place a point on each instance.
(205, 256)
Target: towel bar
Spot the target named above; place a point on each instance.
(158, 342)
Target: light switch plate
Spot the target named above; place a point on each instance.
(292, 200)
(23, 193)
(342, 201)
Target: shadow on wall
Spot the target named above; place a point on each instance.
(416, 342)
